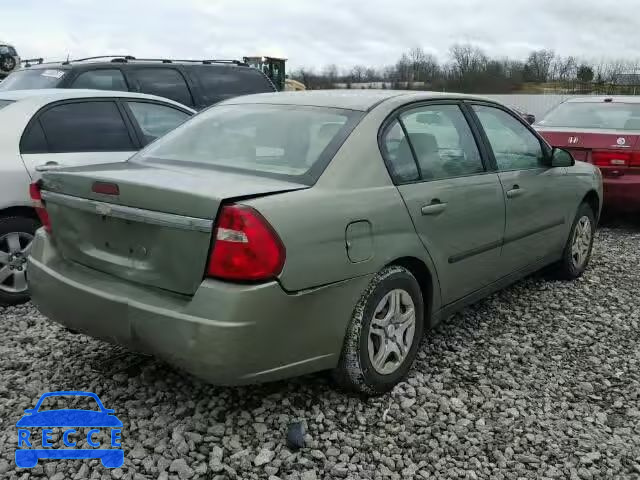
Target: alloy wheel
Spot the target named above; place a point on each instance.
(581, 242)
(392, 331)
(14, 250)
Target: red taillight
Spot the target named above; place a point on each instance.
(245, 246)
(611, 158)
(635, 159)
(36, 197)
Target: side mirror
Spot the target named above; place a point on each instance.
(561, 158)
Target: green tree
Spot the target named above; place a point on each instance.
(585, 73)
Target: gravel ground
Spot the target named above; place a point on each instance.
(539, 381)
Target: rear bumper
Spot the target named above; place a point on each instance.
(622, 193)
(225, 334)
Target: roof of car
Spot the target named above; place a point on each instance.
(54, 94)
(362, 100)
(116, 63)
(605, 99)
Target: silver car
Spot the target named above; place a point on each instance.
(44, 129)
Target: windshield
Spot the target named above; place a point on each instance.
(60, 402)
(599, 115)
(281, 140)
(32, 79)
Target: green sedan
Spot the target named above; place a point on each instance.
(280, 234)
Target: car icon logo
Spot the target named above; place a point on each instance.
(31, 448)
(573, 140)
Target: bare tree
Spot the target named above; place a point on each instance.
(357, 73)
(331, 74)
(424, 67)
(538, 65)
(468, 58)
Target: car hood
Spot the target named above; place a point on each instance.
(69, 418)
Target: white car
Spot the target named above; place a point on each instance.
(44, 129)
(9, 59)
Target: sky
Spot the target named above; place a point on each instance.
(313, 33)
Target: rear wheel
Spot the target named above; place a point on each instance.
(384, 333)
(16, 235)
(577, 251)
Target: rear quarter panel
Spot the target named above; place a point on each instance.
(14, 182)
(14, 179)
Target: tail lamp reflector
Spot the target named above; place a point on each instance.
(36, 198)
(245, 246)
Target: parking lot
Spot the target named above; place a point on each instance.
(539, 381)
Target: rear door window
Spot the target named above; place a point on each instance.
(164, 82)
(86, 127)
(442, 142)
(221, 82)
(155, 120)
(104, 79)
(33, 139)
(397, 152)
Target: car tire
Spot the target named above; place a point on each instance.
(24, 229)
(7, 63)
(577, 251)
(363, 367)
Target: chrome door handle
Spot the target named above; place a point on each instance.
(433, 208)
(48, 166)
(516, 191)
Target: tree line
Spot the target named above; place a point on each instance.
(469, 69)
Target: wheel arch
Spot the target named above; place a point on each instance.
(426, 280)
(19, 211)
(593, 200)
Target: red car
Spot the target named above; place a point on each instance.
(604, 131)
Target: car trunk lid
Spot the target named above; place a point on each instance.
(615, 152)
(151, 224)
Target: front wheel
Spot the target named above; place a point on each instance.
(577, 251)
(384, 333)
(7, 63)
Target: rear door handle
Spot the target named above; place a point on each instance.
(434, 208)
(516, 191)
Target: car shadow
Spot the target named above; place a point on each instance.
(629, 222)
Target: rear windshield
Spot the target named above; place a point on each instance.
(8, 50)
(602, 115)
(291, 142)
(222, 82)
(33, 79)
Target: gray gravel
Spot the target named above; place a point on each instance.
(539, 381)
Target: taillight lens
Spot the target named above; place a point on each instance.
(245, 248)
(611, 158)
(635, 159)
(36, 197)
